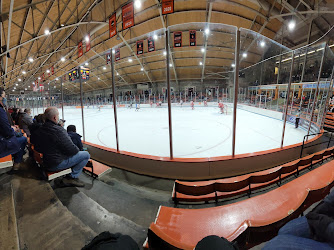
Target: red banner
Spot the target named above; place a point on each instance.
(43, 77)
(192, 37)
(167, 6)
(64, 78)
(178, 39)
(52, 70)
(128, 16)
(80, 51)
(112, 25)
(150, 44)
(117, 54)
(41, 87)
(140, 47)
(88, 43)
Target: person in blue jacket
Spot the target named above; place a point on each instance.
(313, 231)
(76, 138)
(9, 143)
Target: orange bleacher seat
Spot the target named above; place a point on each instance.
(6, 162)
(250, 222)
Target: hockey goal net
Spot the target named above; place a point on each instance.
(227, 110)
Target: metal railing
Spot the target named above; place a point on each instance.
(312, 145)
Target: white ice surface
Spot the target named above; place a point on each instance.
(202, 132)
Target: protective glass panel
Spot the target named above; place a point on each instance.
(202, 81)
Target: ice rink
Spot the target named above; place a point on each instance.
(203, 132)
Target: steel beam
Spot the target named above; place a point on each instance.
(206, 41)
(8, 36)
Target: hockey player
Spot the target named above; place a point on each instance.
(181, 103)
(192, 105)
(151, 104)
(205, 103)
(221, 106)
(137, 107)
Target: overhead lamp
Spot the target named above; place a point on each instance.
(23, 72)
(137, 4)
(113, 51)
(262, 44)
(155, 37)
(30, 59)
(292, 25)
(207, 31)
(165, 52)
(62, 25)
(13, 90)
(170, 65)
(25, 89)
(104, 68)
(28, 86)
(244, 55)
(87, 38)
(117, 74)
(54, 87)
(57, 79)
(200, 63)
(233, 65)
(98, 78)
(47, 32)
(142, 69)
(16, 84)
(63, 59)
(86, 63)
(129, 60)
(203, 50)
(19, 79)
(47, 71)
(14, 87)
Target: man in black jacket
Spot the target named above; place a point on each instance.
(58, 150)
(76, 138)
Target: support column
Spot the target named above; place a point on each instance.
(62, 97)
(82, 108)
(114, 99)
(169, 101)
(236, 87)
(288, 98)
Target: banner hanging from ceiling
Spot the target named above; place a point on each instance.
(178, 39)
(80, 50)
(167, 6)
(140, 47)
(150, 44)
(108, 58)
(117, 54)
(192, 37)
(88, 43)
(127, 16)
(112, 25)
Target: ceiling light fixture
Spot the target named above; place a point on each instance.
(129, 60)
(165, 52)
(292, 25)
(244, 55)
(155, 37)
(31, 59)
(19, 79)
(47, 71)
(203, 50)
(86, 63)
(87, 38)
(262, 44)
(47, 32)
(233, 65)
(200, 63)
(141, 69)
(23, 72)
(137, 4)
(104, 68)
(63, 59)
(207, 31)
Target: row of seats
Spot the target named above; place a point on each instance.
(213, 190)
(329, 121)
(249, 222)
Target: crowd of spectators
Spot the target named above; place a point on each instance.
(61, 149)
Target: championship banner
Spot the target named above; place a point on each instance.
(178, 39)
(128, 16)
(112, 25)
(80, 51)
(167, 6)
(117, 54)
(192, 37)
(52, 70)
(49, 74)
(108, 58)
(43, 77)
(140, 47)
(88, 43)
(41, 87)
(150, 44)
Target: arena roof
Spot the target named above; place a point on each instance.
(37, 34)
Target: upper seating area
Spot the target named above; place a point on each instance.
(200, 191)
(249, 222)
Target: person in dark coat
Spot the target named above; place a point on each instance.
(76, 138)
(25, 121)
(9, 143)
(59, 152)
(313, 231)
(15, 114)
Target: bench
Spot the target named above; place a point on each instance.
(6, 162)
(213, 190)
(249, 222)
